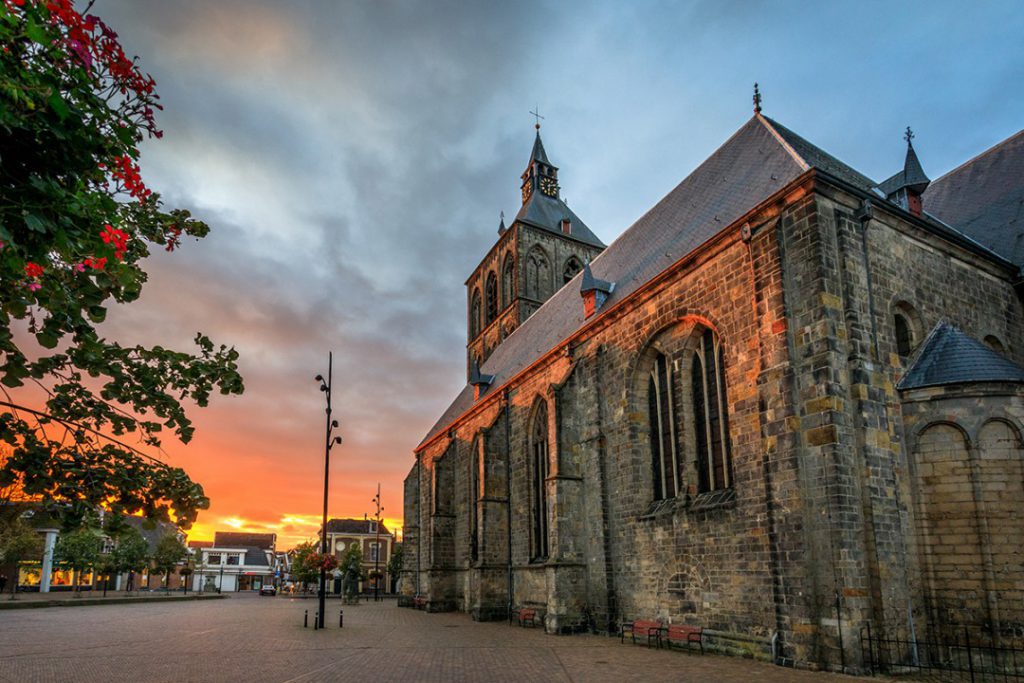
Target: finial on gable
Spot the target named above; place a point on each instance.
(757, 99)
(501, 225)
(908, 136)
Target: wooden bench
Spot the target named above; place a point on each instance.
(419, 602)
(643, 627)
(525, 616)
(686, 635)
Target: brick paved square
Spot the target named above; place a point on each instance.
(247, 638)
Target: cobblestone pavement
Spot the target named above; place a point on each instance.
(249, 639)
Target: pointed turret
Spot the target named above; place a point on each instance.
(906, 187)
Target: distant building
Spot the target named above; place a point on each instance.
(235, 561)
(376, 544)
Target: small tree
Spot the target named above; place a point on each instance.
(351, 566)
(169, 552)
(77, 551)
(18, 541)
(131, 552)
(304, 567)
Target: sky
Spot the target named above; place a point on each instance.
(353, 158)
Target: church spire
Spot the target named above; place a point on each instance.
(906, 187)
(540, 174)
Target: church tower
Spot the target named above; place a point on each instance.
(543, 248)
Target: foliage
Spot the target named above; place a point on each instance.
(304, 567)
(169, 552)
(78, 550)
(76, 221)
(18, 541)
(131, 552)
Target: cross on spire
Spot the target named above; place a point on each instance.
(909, 135)
(757, 100)
(537, 116)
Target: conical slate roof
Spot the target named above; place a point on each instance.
(912, 176)
(949, 356)
(538, 153)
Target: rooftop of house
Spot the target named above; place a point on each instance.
(355, 526)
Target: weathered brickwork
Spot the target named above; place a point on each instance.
(846, 502)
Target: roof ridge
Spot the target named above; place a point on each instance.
(978, 156)
(770, 125)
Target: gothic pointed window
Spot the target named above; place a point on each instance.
(662, 424)
(538, 275)
(508, 271)
(474, 315)
(538, 482)
(572, 266)
(710, 415)
(491, 296)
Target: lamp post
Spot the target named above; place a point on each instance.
(329, 443)
(376, 548)
(220, 583)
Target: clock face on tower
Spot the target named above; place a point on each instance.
(549, 187)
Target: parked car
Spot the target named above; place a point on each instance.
(268, 590)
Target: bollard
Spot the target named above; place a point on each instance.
(305, 620)
(341, 618)
(316, 620)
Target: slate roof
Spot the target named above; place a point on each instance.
(238, 539)
(354, 526)
(949, 356)
(984, 198)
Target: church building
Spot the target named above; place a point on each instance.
(785, 405)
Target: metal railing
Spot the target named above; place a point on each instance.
(960, 656)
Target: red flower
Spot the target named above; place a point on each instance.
(96, 264)
(33, 269)
(117, 238)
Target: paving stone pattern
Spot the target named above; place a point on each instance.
(249, 639)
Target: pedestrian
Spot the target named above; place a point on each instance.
(3, 582)
(130, 584)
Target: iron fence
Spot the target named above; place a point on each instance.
(961, 657)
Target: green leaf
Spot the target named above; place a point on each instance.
(35, 223)
(97, 314)
(46, 340)
(36, 32)
(58, 105)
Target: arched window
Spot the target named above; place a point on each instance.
(508, 273)
(904, 338)
(994, 343)
(474, 315)
(710, 415)
(538, 275)
(662, 422)
(539, 495)
(491, 295)
(572, 266)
